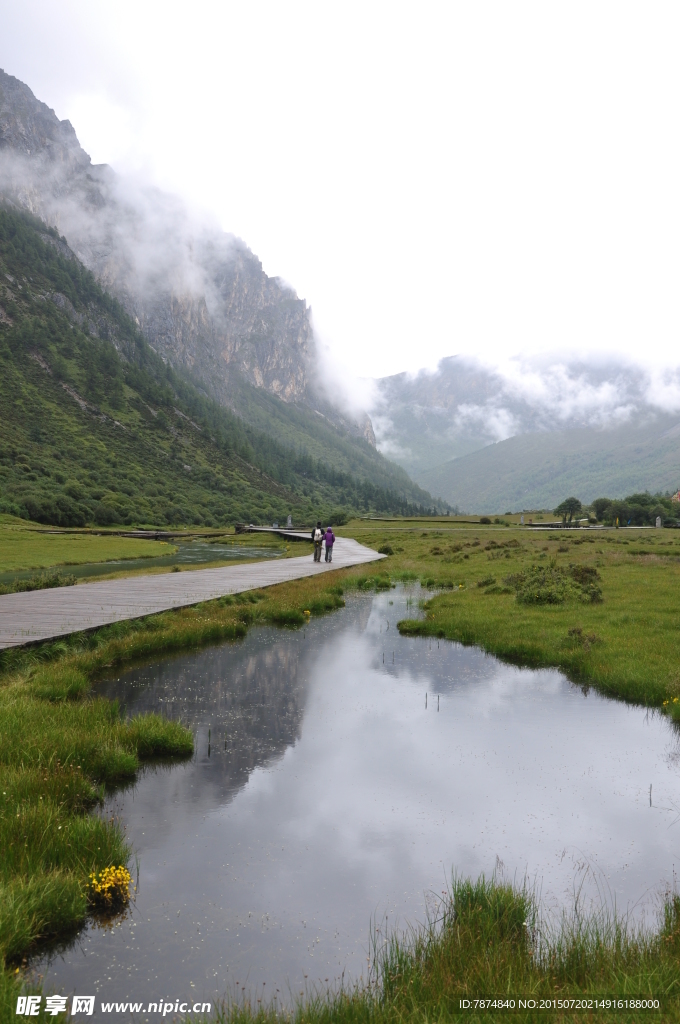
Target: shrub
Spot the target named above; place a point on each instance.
(553, 584)
(105, 515)
(486, 582)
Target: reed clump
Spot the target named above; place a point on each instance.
(486, 940)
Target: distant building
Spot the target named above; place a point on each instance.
(676, 497)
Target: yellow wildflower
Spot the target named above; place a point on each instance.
(111, 887)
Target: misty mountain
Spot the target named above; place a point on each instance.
(198, 296)
(492, 441)
(97, 428)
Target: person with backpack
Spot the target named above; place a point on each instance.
(329, 537)
(317, 537)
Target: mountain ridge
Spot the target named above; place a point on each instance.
(531, 471)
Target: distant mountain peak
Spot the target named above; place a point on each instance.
(31, 128)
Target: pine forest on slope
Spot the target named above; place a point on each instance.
(98, 428)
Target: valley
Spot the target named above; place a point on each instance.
(454, 582)
(98, 429)
(488, 441)
(284, 751)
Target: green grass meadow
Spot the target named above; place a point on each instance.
(627, 645)
(62, 746)
(26, 545)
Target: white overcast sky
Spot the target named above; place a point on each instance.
(433, 178)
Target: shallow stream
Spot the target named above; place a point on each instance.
(327, 792)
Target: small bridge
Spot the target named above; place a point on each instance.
(280, 531)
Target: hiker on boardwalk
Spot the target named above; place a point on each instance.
(329, 537)
(317, 537)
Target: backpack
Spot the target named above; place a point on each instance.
(317, 536)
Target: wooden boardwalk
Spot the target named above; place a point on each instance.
(45, 614)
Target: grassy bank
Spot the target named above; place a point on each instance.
(64, 745)
(624, 644)
(60, 750)
(111, 557)
(28, 546)
(488, 942)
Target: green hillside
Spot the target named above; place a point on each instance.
(538, 470)
(96, 428)
(320, 436)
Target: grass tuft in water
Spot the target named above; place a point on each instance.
(486, 940)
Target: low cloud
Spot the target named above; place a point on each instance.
(575, 394)
(466, 404)
(497, 421)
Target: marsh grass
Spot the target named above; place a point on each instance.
(57, 755)
(486, 939)
(619, 633)
(41, 581)
(60, 749)
(64, 746)
(26, 545)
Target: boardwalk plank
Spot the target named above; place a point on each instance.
(47, 614)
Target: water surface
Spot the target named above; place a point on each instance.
(327, 791)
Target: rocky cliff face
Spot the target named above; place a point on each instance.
(200, 296)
